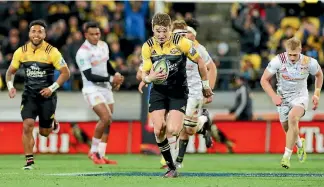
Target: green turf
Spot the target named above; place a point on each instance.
(11, 174)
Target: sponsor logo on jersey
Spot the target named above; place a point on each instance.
(35, 71)
(174, 51)
(305, 60)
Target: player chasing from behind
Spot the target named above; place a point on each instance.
(99, 78)
(169, 91)
(197, 119)
(292, 70)
(38, 59)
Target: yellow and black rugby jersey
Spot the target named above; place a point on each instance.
(175, 51)
(38, 64)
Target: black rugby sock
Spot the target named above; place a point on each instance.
(29, 159)
(182, 150)
(165, 150)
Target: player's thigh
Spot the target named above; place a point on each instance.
(28, 108)
(94, 98)
(301, 102)
(296, 113)
(158, 120)
(108, 95)
(46, 111)
(283, 111)
(193, 111)
(109, 98)
(175, 122)
(158, 101)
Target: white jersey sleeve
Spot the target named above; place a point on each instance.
(274, 65)
(314, 67)
(204, 54)
(83, 60)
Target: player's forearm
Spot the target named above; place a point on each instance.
(10, 75)
(145, 77)
(139, 75)
(64, 76)
(267, 87)
(212, 74)
(318, 84)
(202, 69)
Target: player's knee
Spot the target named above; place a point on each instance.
(293, 119)
(28, 128)
(106, 119)
(45, 132)
(160, 132)
(174, 129)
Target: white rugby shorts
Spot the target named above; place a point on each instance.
(285, 107)
(102, 95)
(193, 109)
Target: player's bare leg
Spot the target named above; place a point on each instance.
(28, 142)
(291, 136)
(160, 127)
(105, 118)
(300, 144)
(220, 137)
(104, 139)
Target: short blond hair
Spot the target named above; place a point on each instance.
(179, 24)
(293, 43)
(161, 19)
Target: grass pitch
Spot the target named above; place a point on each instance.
(141, 171)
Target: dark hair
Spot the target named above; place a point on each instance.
(38, 22)
(90, 24)
(193, 23)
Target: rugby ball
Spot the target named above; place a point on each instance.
(159, 65)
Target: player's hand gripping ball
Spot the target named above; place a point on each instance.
(161, 66)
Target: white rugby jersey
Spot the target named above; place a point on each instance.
(193, 76)
(94, 57)
(292, 78)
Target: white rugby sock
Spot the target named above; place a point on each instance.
(173, 145)
(287, 153)
(102, 149)
(201, 121)
(94, 145)
(299, 143)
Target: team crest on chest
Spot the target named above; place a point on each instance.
(174, 51)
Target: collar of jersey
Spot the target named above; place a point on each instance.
(156, 41)
(29, 45)
(89, 44)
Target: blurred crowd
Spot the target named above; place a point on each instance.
(263, 29)
(125, 26)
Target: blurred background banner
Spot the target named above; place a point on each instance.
(240, 37)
